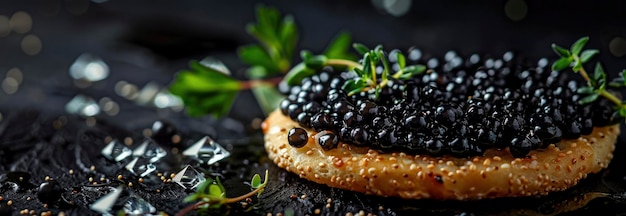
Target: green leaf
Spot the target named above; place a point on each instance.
(415, 69)
(578, 45)
(216, 190)
(599, 76)
(354, 86)
(368, 66)
(339, 47)
(562, 63)
(316, 62)
(297, 73)
(578, 65)
(401, 60)
(588, 54)
(256, 181)
(588, 99)
(267, 97)
(205, 90)
(622, 112)
(618, 82)
(288, 37)
(585, 90)
(192, 197)
(257, 72)
(257, 55)
(360, 48)
(561, 51)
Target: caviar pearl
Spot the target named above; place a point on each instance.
(297, 137)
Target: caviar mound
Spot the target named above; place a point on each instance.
(494, 174)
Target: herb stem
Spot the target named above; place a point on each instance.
(603, 92)
(247, 85)
(612, 98)
(582, 71)
(343, 62)
(195, 206)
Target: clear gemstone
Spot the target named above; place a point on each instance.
(136, 205)
(82, 105)
(151, 150)
(89, 68)
(116, 151)
(105, 203)
(140, 166)
(189, 177)
(207, 151)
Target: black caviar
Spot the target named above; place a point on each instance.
(297, 137)
(460, 107)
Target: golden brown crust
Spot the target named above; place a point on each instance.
(495, 174)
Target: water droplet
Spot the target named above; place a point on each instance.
(49, 192)
(617, 46)
(207, 151)
(189, 177)
(105, 203)
(449, 55)
(432, 63)
(140, 166)
(31, 44)
(150, 150)
(516, 10)
(10, 85)
(508, 56)
(415, 54)
(397, 7)
(21, 22)
(543, 62)
(136, 205)
(82, 105)
(474, 59)
(147, 94)
(165, 99)
(116, 151)
(90, 68)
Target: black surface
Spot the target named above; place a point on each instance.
(145, 41)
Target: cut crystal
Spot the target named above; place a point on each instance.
(140, 166)
(106, 203)
(207, 151)
(116, 151)
(136, 205)
(151, 150)
(189, 177)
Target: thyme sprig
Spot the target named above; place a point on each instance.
(596, 87)
(373, 62)
(212, 194)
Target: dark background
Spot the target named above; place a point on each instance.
(147, 41)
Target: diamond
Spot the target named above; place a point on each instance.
(136, 205)
(207, 151)
(151, 150)
(140, 166)
(189, 177)
(106, 203)
(116, 151)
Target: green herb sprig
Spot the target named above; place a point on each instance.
(208, 87)
(212, 194)
(596, 87)
(367, 76)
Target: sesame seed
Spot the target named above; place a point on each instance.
(71, 172)
(119, 177)
(10, 202)
(92, 168)
(90, 179)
